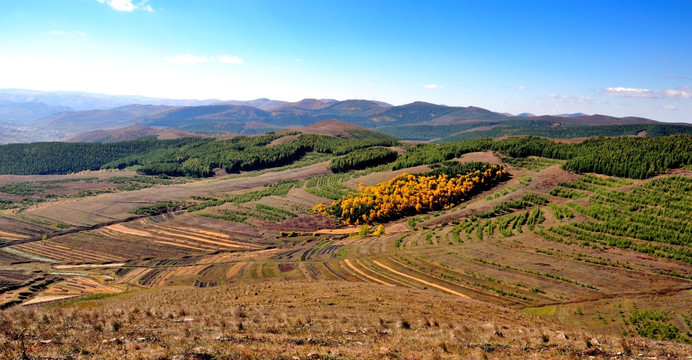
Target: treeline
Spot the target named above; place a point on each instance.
(560, 132)
(630, 157)
(361, 159)
(62, 158)
(243, 154)
(187, 156)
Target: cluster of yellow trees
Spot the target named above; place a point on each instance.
(409, 194)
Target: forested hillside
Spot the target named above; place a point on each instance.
(188, 156)
(626, 157)
(62, 158)
(632, 157)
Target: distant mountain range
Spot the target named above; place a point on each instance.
(68, 114)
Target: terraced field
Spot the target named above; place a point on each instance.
(528, 243)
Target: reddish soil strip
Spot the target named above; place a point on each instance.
(420, 280)
(348, 262)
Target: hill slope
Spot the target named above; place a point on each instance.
(304, 320)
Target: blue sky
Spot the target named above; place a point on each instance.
(544, 57)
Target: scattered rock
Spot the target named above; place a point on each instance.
(188, 319)
(561, 336)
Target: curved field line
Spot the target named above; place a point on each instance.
(128, 231)
(198, 239)
(205, 232)
(304, 271)
(348, 262)
(179, 245)
(420, 280)
(12, 235)
(388, 277)
(194, 235)
(234, 270)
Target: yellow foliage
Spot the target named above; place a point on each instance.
(406, 194)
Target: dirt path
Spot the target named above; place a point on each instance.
(420, 280)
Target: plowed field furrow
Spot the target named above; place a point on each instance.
(46, 253)
(132, 276)
(128, 231)
(439, 287)
(179, 245)
(395, 281)
(207, 270)
(178, 232)
(91, 255)
(227, 244)
(362, 273)
(288, 255)
(325, 273)
(235, 270)
(149, 277)
(12, 236)
(334, 268)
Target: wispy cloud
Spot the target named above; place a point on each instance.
(579, 99)
(127, 5)
(520, 87)
(186, 59)
(432, 86)
(684, 92)
(229, 59)
(670, 107)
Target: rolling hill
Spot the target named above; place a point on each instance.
(53, 116)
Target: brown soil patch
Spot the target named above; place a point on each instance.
(485, 156)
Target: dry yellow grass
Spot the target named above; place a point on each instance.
(303, 320)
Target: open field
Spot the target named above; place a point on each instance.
(305, 320)
(544, 242)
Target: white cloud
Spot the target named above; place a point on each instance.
(432, 86)
(630, 92)
(520, 87)
(57, 32)
(228, 59)
(186, 59)
(127, 5)
(684, 92)
(578, 99)
(670, 107)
